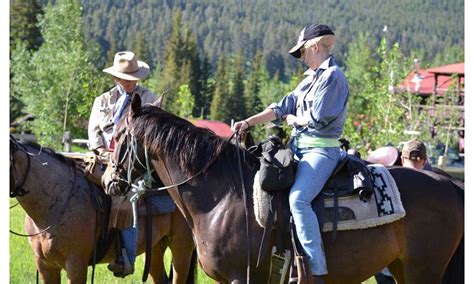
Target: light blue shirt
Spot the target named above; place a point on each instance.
(122, 103)
(321, 98)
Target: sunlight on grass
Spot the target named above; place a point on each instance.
(22, 267)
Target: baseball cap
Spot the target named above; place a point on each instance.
(414, 150)
(309, 32)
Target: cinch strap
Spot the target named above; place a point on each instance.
(305, 141)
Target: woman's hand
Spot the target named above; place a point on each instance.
(241, 126)
(294, 121)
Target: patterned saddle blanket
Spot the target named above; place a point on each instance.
(384, 207)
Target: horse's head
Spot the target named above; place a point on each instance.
(19, 167)
(129, 159)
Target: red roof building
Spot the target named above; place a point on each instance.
(424, 82)
(218, 127)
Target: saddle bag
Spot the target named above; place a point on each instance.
(361, 178)
(276, 166)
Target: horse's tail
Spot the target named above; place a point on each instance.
(192, 268)
(454, 274)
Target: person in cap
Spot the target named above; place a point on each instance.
(110, 107)
(414, 155)
(316, 110)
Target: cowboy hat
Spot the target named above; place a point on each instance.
(127, 67)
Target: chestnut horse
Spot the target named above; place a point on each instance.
(213, 194)
(57, 202)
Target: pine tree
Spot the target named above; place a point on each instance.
(207, 85)
(257, 74)
(218, 108)
(235, 100)
(169, 79)
(191, 54)
(139, 47)
(24, 16)
(111, 53)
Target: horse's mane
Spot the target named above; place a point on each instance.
(191, 147)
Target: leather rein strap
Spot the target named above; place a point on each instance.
(244, 194)
(19, 190)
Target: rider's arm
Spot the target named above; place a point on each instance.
(96, 140)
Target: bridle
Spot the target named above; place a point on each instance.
(15, 146)
(19, 190)
(132, 151)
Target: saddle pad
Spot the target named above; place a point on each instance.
(121, 210)
(384, 207)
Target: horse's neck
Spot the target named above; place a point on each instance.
(49, 184)
(219, 187)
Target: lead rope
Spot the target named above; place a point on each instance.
(244, 194)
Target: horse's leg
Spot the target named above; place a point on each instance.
(182, 247)
(396, 269)
(48, 274)
(181, 262)
(76, 269)
(157, 271)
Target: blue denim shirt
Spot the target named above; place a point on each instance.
(321, 98)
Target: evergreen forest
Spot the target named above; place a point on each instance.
(223, 60)
(422, 27)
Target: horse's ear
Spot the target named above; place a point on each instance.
(136, 104)
(157, 103)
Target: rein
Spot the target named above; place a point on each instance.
(144, 184)
(32, 235)
(132, 147)
(203, 170)
(19, 190)
(244, 194)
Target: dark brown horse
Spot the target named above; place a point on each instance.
(417, 248)
(58, 204)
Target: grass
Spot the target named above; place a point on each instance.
(23, 270)
(22, 267)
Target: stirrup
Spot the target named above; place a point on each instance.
(122, 268)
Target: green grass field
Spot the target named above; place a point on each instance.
(23, 271)
(22, 267)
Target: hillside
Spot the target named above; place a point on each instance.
(423, 27)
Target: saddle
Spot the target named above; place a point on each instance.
(351, 177)
(91, 165)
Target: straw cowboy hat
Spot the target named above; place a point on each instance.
(127, 67)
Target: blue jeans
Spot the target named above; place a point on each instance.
(314, 169)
